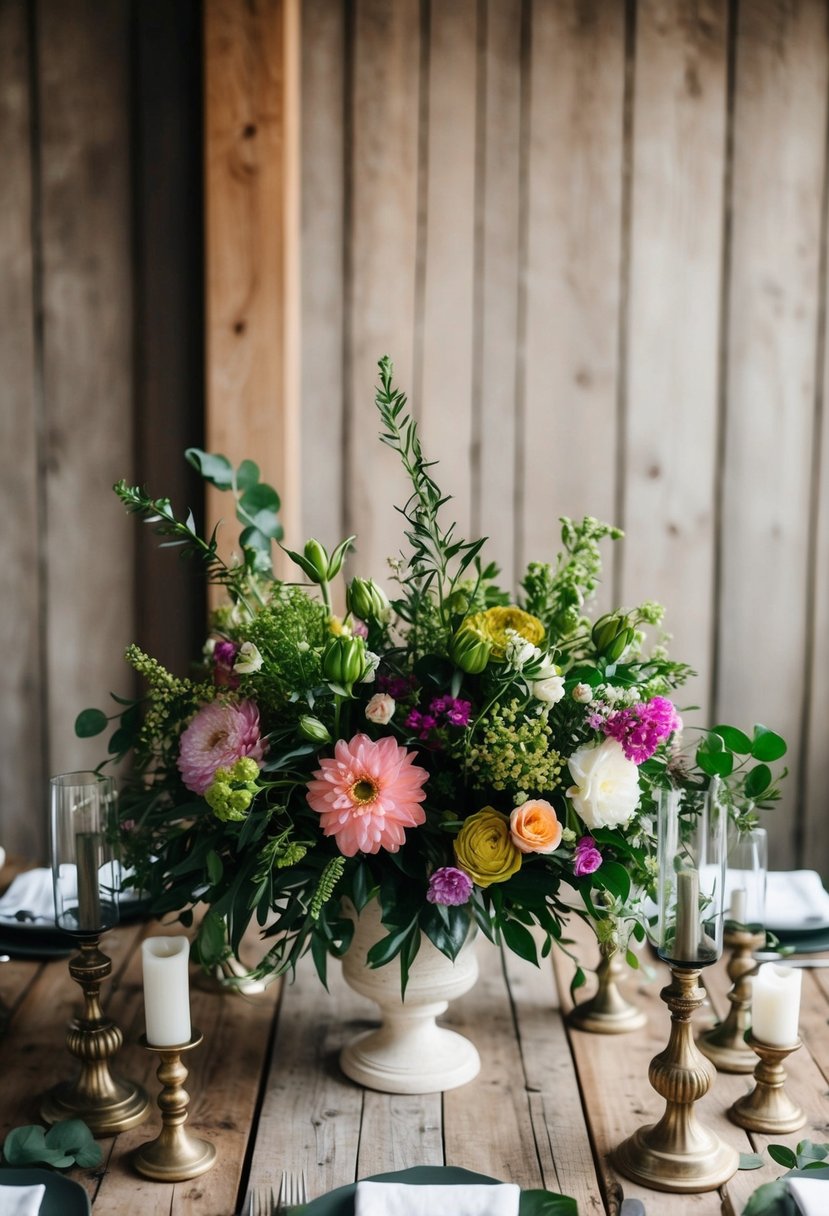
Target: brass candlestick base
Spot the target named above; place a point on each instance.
(768, 1108)
(725, 1044)
(678, 1153)
(607, 1012)
(174, 1155)
(107, 1104)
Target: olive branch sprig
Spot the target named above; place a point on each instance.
(434, 550)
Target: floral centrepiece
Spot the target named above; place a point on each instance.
(453, 749)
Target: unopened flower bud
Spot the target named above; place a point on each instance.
(469, 651)
(612, 635)
(583, 693)
(312, 729)
(317, 558)
(344, 661)
(368, 601)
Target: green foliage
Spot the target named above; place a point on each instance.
(63, 1145)
(774, 1198)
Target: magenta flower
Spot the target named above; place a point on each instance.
(398, 687)
(641, 728)
(368, 794)
(422, 724)
(218, 736)
(453, 709)
(224, 656)
(449, 886)
(587, 858)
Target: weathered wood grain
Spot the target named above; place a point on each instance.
(86, 440)
(679, 144)
(569, 431)
(21, 600)
(251, 67)
(782, 75)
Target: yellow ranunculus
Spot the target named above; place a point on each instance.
(484, 848)
(494, 623)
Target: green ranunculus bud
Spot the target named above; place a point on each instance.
(368, 601)
(470, 651)
(344, 661)
(312, 729)
(612, 634)
(317, 558)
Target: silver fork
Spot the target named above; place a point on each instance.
(293, 1191)
(261, 1202)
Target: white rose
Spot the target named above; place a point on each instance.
(583, 693)
(380, 708)
(248, 660)
(606, 790)
(550, 690)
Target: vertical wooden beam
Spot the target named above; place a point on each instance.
(251, 58)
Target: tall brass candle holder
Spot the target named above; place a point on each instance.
(725, 1045)
(174, 1155)
(86, 879)
(107, 1104)
(678, 1153)
(607, 1011)
(768, 1108)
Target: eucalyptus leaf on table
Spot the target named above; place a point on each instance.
(65, 1144)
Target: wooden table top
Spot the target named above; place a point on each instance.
(546, 1110)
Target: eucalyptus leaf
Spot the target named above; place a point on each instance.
(767, 745)
(738, 742)
(783, 1156)
(757, 780)
(750, 1161)
(73, 1137)
(69, 1142)
(90, 722)
(771, 1199)
(216, 469)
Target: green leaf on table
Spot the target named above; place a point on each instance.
(767, 745)
(757, 780)
(90, 722)
(547, 1203)
(783, 1155)
(750, 1161)
(771, 1199)
(67, 1143)
(736, 741)
(75, 1140)
(807, 1152)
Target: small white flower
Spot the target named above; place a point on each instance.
(372, 663)
(380, 708)
(519, 651)
(208, 648)
(568, 836)
(520, 797)
(550, 690)
(303, 647)
(248, 660)
(583, 693)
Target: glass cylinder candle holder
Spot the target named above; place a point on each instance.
(86, 872)
(746, 879)
(692, 837)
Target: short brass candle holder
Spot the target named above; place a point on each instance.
(174, 1155)
(678, 1153)
(607, 1011)
(768, 1108)
(725, 1045)
(107, 1104)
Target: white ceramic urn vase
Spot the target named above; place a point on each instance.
(409, 1053)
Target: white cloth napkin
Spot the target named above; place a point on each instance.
(811, 1195)
(21, 1200)
(30, 892)
(402, 1199)
(795, 899)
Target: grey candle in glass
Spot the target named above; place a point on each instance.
(85, 869)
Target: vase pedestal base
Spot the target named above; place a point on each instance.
(418, 1058)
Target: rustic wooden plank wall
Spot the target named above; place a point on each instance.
(592, 236)
(100, 340)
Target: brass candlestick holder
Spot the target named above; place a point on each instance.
(678, 1153)
(607, 1011)
(768, 1108)
(174, 1155)
(725, 1044)
(107, 1104)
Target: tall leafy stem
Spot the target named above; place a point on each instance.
(434, 550)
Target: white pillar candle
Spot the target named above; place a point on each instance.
(775, 1004)
(738, 905)
(166, 990)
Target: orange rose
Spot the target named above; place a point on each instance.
(534, 827)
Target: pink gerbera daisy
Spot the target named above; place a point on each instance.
(367, 794)
(218, 736)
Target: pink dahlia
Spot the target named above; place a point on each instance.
(367, 794)
(218, 736)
